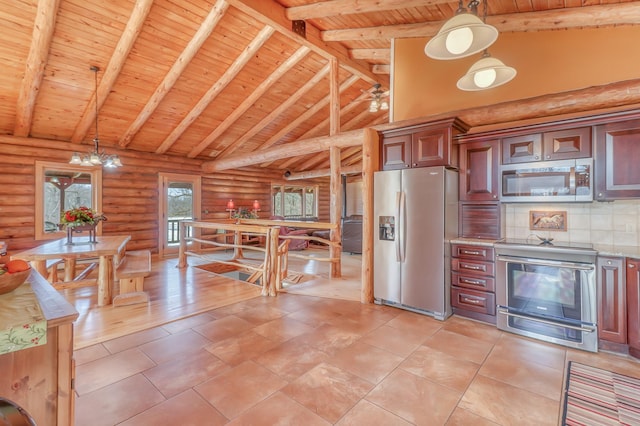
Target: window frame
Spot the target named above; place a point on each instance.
(280, 188)
(96, 194)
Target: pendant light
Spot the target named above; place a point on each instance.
(96, 157)
(488, 72)
(462, 35)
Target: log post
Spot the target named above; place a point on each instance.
(369, 165)
(182, 253)
(335, 205)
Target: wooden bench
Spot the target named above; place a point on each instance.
(130, 273)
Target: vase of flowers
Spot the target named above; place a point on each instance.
(244, 213)
(80, 219)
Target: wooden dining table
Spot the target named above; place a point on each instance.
(107, 249)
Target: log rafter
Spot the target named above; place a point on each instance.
(114, 67)
(206, 28)
(289, 63)
(43, 28)
(344, 7)
(572, 17)
(252, 48)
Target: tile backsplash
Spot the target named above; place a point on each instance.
(615, 223)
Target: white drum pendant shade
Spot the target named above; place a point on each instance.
(487, 73)
(461, 36)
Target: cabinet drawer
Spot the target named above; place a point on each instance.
(472, 300)
(472, 267)
(474, 282)
(472, 252)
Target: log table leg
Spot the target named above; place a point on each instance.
(105, 280)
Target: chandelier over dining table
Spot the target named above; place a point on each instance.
(96, 157)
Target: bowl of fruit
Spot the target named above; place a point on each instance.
(13, 274)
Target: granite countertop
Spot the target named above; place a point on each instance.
(473, 241)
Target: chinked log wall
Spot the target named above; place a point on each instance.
(130, 193)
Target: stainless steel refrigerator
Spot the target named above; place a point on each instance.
(416, 212)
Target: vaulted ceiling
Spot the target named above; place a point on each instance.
(214, 79)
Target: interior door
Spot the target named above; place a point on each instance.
(179, 200)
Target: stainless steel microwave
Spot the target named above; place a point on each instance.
(548, 181)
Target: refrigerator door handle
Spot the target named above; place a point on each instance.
(401, 241)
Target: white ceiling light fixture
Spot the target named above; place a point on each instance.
(487, 73)
(378, 103)
(462, 35)
(96, 157)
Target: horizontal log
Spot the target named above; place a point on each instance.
(293, 149)
(323, 172)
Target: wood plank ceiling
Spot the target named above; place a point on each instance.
(209, 79)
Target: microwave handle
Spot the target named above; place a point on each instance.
(572, 180)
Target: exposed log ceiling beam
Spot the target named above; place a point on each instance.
(237, 66)
(112, 71)
(289, 63)
(613, 95)
(351, 138)
(276, 112)
(306, 115)
(178, 67)
(313, 161)
(573, 17)
(310, 174)
(42, 34)
(272, 13)
(371, 54)
(344, 7)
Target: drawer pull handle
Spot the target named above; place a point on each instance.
(472, 282)
(472, 252)
(472, 301)
(472, 267)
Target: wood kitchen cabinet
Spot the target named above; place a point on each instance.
(479, 171)
(473, 282)
(617, 150)
(424, 145)
(40, 378)
(547, 146)
(633, 306)
(612, 300)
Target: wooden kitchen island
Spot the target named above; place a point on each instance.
(40, 378)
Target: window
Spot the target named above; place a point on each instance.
(60, 187)
(295, 201)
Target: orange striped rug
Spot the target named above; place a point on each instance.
(599, 397)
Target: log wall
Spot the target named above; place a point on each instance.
(129, 194)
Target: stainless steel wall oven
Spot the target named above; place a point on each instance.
(547, 291)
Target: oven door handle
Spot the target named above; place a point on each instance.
(551, 263)
(586, 328)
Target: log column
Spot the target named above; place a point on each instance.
(369, 165)
(335, 250)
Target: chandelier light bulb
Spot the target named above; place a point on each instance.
(485, 78)
(459, 40)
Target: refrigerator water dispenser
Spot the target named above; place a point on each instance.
(387, 227)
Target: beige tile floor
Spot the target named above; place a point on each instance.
(300, 359)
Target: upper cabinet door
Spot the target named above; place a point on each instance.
(522, 149)
(567, 144)
(479, 171)
(396, 152)
(617, 150)
(431, 147)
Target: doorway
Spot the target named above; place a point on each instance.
(179, 200)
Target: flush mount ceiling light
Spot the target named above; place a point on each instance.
(378, 103)
(487, 73)
(462, 35)
(96, 157)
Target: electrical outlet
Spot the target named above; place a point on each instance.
(630, 227)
